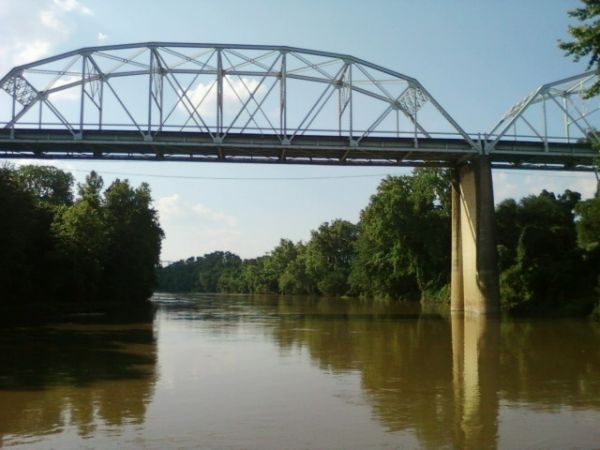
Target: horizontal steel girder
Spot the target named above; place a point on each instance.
(313, 149)
(262, 103)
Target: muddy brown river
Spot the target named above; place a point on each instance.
(241, 372)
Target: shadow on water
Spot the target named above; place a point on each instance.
(82, 373)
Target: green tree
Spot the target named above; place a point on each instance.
(542, 266)
(80, 252)
(329, 255)
(295, 279)
(588, 236)
(588, 225)
(586, 37)
(212, 266)
(133, 239)
(18, 237)
(404, 247)
(48, 184)
(91, 190)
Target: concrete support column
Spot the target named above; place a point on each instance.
(474, 276)
(456, 270)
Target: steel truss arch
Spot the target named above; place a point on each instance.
(555, 120)
(157, 93)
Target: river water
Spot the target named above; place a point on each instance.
(240, 372)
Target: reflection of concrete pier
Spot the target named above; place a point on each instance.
(475, 358)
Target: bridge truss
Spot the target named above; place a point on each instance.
(554, 125)
(252, 103)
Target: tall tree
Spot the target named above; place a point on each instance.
(586, 36)
(133, 241)
(329, 256)
(403, 246)
(49, 184)
(542, 266)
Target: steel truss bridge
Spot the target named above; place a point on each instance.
(271, 104)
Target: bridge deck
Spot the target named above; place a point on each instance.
(272, 148)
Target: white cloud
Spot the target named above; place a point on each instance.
(27, 51)
(193, 229)
(517, 184)
(73, 5)
(173, 207)
(203, 212)
(235, 92)
(102, 37)
(49, 19)
(33, 29)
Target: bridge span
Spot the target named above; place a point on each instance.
(268, 148)
(166, 101)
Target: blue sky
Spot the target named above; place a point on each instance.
(476, 57)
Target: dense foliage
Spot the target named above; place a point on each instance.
(586, 41)
(98, 247)
(544, 263)
(400, 249)
(548, 246)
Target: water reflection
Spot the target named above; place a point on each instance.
(446, 378)
(295, 372)
(80, 376)
(475, 379)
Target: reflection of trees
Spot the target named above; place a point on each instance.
(75, 375)
(405, 361)
(444, 379)
(551, 366)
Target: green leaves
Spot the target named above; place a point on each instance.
(404, 245)
(102, 246)
(48, 184)
(586, 41)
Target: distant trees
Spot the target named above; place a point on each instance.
(399, 249)
(99, 247)
(548, 246)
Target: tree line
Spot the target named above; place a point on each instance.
(548, 246)
(98, 246)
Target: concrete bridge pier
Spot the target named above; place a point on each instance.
(474, 273)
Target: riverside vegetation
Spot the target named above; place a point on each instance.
(102, 247)
(85, 251)
(548, 246)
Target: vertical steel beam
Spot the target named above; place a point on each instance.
(283, 96)
(161, 99)
(82, 93)
(416, 121)
(567, 125)
(340, 109)
(219, 91)
(14, 111)
(150, 80)
(101, 102)
(350, 110)
(545, 123)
